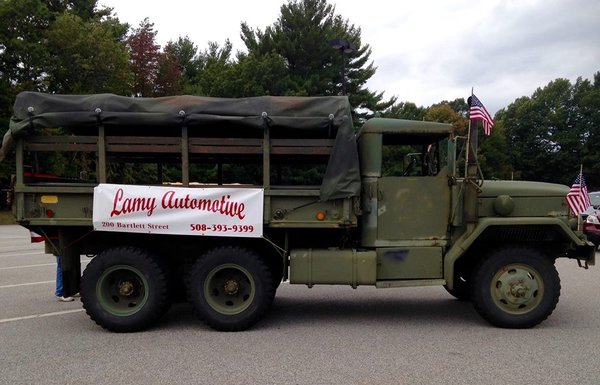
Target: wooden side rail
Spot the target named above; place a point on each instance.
(230, 146)
(156, 144)
(143, 144)
(61, 143)
(226, 146)
(301, 146)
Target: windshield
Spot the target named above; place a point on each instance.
(595, 199)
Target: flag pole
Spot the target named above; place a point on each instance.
(579, 218)
(468, 135)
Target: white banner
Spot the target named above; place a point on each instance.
(222, 211)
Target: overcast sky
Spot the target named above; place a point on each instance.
(425, 51)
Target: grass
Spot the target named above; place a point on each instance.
(6, 217)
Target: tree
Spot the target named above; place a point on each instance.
(405, 110)
(57, 45)
(533, 125)
(169, 79)
(144, 53)
(444, 113)
(23, 54)
(586, 99)
(85, 9)
(552, 133)
(257, 75)
(85, 57)
(494, 155)
(301, 37)
(214, 70)
(185, 52)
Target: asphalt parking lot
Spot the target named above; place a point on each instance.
(324, 335)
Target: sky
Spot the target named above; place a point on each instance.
(425, 51)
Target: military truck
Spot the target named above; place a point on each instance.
(220, 200)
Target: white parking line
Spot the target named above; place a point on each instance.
(19, 254)
(27, 284)
(20, 245)
(37, 265)
(40, 315)
(26, 266)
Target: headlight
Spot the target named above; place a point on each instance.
(593, 219)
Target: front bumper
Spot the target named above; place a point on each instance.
(592, 233)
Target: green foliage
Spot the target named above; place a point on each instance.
(301, 37)
(215, 66)
(553, 132)
(444, 113)
(38, 37)
(23, 54)
(259, 75)
(404, 110)
(184, 53)
(494, 155)
(58, 46)
(213, 72)
(85, 57)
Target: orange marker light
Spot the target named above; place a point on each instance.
(320, 216)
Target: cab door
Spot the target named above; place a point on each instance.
(413, 207)
(413, 211)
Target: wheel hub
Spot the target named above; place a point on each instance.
(229, 289)
(518, 289)
(231, 286)
(126, 288)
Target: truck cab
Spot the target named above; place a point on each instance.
(406, 182)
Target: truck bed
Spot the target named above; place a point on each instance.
(43, 199)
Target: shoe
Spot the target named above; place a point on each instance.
(76, 295)
(65, 299)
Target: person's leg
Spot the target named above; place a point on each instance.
(59, 283)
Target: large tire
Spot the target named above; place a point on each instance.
(515, 287)
(230, 288)
(125, 289)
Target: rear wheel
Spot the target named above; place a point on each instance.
(516, 287)
(230, 288)
(124, 289)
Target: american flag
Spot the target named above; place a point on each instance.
(478, 112)
(578, 198)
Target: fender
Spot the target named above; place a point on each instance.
(584, 249)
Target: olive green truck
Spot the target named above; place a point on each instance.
(219, 200)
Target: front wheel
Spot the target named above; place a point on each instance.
(230, 288)
(516, 287)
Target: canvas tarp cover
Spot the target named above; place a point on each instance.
(82, 114)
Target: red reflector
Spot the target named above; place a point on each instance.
(35, 237)
(49, 213)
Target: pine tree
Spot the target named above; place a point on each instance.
(301, 36)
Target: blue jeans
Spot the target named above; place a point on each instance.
(59, 281)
